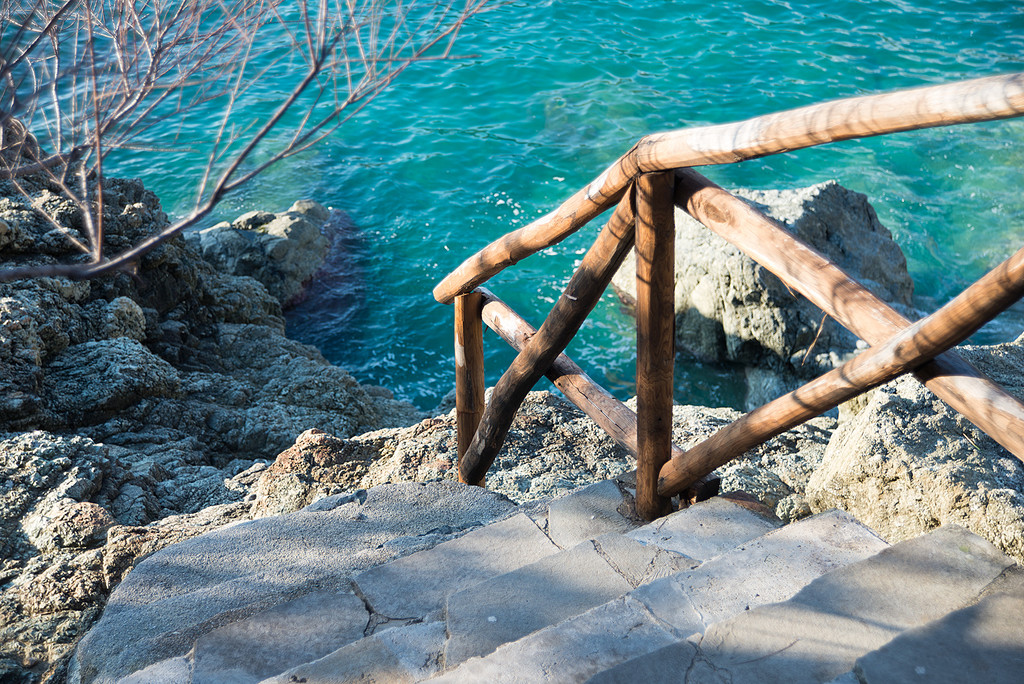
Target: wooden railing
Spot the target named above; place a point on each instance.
(645, 185)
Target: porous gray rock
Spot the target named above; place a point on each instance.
(135, 406)
(729, 308)
(904, 463)
(282, 251)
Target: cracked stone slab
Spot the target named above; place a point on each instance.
(286, 635)
(586, 514)
(983, 643)
(170, 671)
(394, 656)
(819, 633)
(706, 529)
(600, 638)
(180, 593)
(416, 586)
(667, 664)
(508, 607)
(768, 569)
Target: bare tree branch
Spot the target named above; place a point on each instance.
(87, 78)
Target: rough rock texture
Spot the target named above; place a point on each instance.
(728, 308)
(904, 463)
(282, 251)
(551, 449)
(131, 399)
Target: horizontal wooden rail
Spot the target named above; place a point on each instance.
(580, 297)
(983, 99)
(947, 327)
(828, 287)
(611, 415)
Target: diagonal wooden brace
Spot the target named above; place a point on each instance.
(950, 377)
(582, 293)
(908, 349)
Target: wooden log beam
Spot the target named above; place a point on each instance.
(610, 414)
(948, 376)
(582, 293)
(469, 370)
(950, 325)
(655, 336)
(983, 99)
(980, 99)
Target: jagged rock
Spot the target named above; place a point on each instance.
(728, 308)
(282, 251)
(904, 463)
(551, 449)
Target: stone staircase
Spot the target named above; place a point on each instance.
(577, 591)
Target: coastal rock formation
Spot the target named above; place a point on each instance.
(282, 251)
(904, 463)
(551, 449)
(136, 398)
(729, 308)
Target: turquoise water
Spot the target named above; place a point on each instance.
(548, 93)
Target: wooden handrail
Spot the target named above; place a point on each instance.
(828, 287)
(917, 343)
(577, 301)
(645, 182)
(983, 99)
(611, 415)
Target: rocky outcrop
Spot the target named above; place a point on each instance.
(282, 251)
(137, 410)
(904, 463)
(729, 308)
(551, 449)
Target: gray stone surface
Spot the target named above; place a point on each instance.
(764, 570)
(585, 514)
(819, 633)
(610, 634)
(289, 634)
(705, 530)
(903, 462)
(179, 594)
(416, 587)
(981, 643)
(667, 664)
(282, 251)
(394, 656)
(508, 607)
(730, 308)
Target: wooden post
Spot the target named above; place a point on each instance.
(914, 345)
(610, 414)
(469, 371)
(803, 269)
(655, 336)
(582, 293)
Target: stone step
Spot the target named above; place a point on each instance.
(983, 642)
(486, 613)
(821, 632)
(769, 568)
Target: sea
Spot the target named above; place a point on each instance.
(539, 97)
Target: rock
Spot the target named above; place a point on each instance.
(551, 449)
(728, 308)
(136, 409)
(904, 463)
(282, 251)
